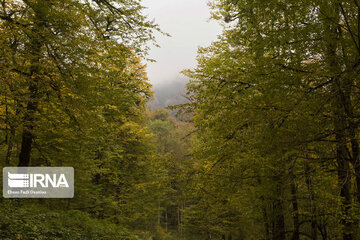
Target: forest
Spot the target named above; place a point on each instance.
(266, 146)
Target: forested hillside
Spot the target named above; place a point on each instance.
(266, 145)
(169, 94)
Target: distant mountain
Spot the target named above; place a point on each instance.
(168, 93)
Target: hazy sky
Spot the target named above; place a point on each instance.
(187, 23)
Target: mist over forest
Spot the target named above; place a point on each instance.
(168, 93)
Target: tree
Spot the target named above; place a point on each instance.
(274, 97)
(73, 93)
(54, 47)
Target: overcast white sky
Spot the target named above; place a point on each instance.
(187, 23)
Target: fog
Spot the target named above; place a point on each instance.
(187, 21)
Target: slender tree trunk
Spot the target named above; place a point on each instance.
(266, 223)
(10, 145)
(357, 173)
(166, 220)
(278, 212)
(265, 215)
(344, 178)
(159, 213)
(332, 34)
(314, 235)
(31, 109)
(10, 134)
(353, 129)
(179, 218)
(35, 48)
(348, 104)
(295, 207)
(323, 232)
(279, 222)
(342, 158)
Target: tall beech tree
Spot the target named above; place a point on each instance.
(276, 100)
(52, 45)
(73, 93)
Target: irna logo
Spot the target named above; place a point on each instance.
(21, 180)
(38, 182)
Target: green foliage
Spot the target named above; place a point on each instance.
(274, 102)
(29, 223)
(170, 166)
(273, 111)
(73, 93)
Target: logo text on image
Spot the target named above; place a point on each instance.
(33, 180)
(38, 182)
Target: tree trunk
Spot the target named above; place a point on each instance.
(332, 33)
(10, 134)
(166, 220)
(312, 203)
(179, 218)
(295, 207)
(340, 127)
(266, 223)
(35, 48)
(31, 109)
(278, 212)
(10, 145)
(159, 213)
